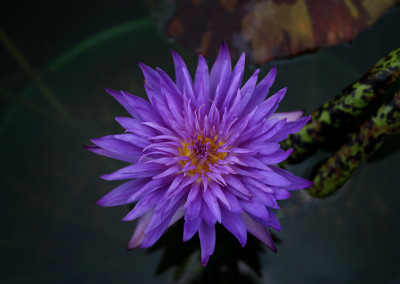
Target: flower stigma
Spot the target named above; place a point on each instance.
(201, 152)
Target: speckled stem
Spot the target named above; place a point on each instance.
(371, 135)
(331, 124)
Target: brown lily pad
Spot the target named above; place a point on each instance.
(268, 29)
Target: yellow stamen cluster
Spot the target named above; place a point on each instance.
(201, 152)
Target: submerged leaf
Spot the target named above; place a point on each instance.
(268, 29)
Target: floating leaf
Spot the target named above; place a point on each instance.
(268, 29)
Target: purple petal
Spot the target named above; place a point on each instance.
(111, 143)
(234, 224)
(223, 58)
(176, 182)
(281, 194)
(261, 90)
(235, 82)
(217, 192)
(208, 216)
(135, 126)
(247, 91)
(168, 172)
(235, 183)
(121, 195)
(275, 158)
(166, 211)
(295, 181)
(133, 139)
(100, 151)
(260, 232)
(268, 107)
(207, 241)
(150, 187)
(152, 236)
(270, 177)
(255, 209)
(183, 80)
(212, 204)
(202, 83)
(289, 128)
(123, 101)
(193, 210)
(272, 222)
(140, 170)
(218, 94)
(290, 116)
(170, 88)
(138, 233)
(141, 108)
(178, 215)
(190, 228)
(152, 79)
(145, 204)
(255, 183)
(267, 199)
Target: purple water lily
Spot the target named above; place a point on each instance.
(203, 150)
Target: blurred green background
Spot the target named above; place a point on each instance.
(52, 231)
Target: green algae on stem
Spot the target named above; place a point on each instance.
(336, 119)
(335, 171)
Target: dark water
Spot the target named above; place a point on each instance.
(53, 232)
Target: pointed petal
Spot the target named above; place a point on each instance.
(190, 228)
(268, 107)
(183, 79)
(216, 71)
(111, 143)
(145, 204)
(208, 216)
(141, 170)
(235, 82)
(133, 139)
(262, 89)
(289, 128)
(212, 204)
(202, 83)
(270, 177)
(143, 110)
(100, 151)
(290, 116)
(281, 194)
(135, 126)
(121, 194)
(207, 241)
(122, 100)
(138, 233)
(247, 91)
(235, 183)
(255, 209)
(275, 158)
(152, 236)
(295, 181)
(260, 232)
(234, 224)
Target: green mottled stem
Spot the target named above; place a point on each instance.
(371, 135)
(332, 122)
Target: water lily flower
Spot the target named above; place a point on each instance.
(203, 150)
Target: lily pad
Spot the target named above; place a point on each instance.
(268, 29)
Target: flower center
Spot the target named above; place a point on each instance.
(201, 151)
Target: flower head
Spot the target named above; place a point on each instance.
(204, 151)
